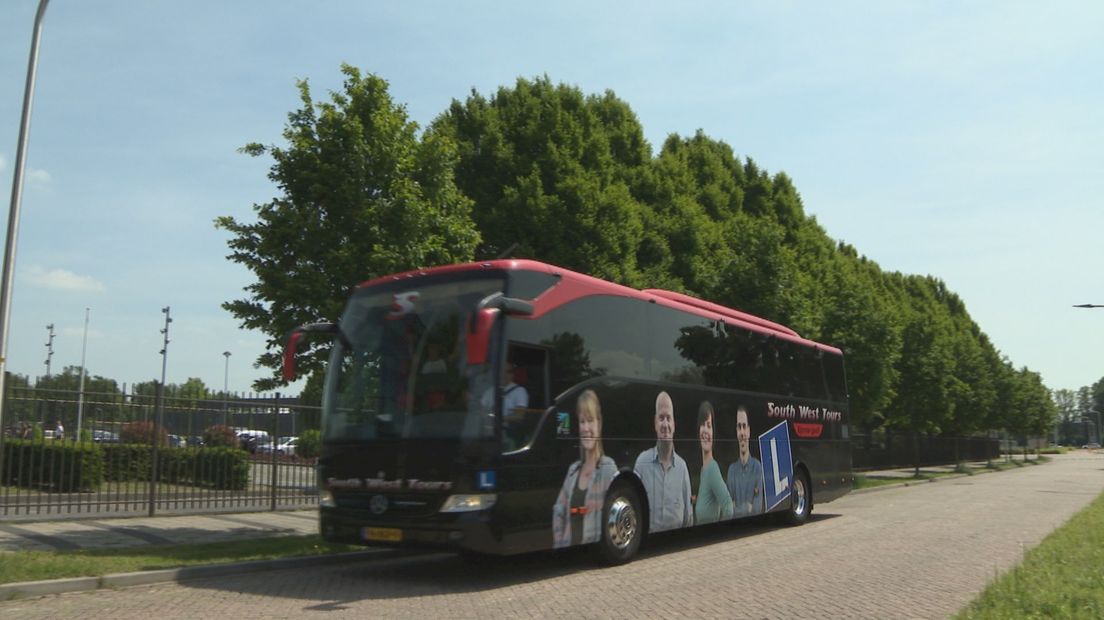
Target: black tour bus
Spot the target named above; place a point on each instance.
(510, 406)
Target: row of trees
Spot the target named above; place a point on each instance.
(1080, 414)
(541, 170)
(55, 396)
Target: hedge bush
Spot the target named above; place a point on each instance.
(220, 436)
(142, 433)
(310, 444)
(62, 466)
(217, 468)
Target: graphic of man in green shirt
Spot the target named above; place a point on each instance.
(745, 476)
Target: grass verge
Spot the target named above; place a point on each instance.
(40, 565)
(1061, 578)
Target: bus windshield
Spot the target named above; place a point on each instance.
(399, 369)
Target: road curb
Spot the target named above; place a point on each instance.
(30, 589)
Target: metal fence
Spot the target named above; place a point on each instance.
(887, 450)
(44, 471)
(65, 455)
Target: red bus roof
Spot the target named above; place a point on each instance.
(574, 285)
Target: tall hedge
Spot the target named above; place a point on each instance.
(217, 468)
(61, 466)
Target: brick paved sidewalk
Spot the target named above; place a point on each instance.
(68, 535)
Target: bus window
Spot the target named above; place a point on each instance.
(530, 374)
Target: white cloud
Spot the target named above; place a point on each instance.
(34, 176)
(38, 178)
(62, 280)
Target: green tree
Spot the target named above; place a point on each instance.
(1032, 412)
(922, 401)
(362, 195)
(1069, 417)
(861, 318)
(551, 172)
(192, 390)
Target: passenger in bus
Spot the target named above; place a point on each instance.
(713, 502)
(664, 474)
(745, 476)
(577, 514)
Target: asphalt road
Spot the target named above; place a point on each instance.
(913, 552)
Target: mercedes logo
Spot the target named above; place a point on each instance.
(378, 504)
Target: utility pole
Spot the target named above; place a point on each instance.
(160, 417)
(49, 347)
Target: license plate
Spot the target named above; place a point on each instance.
(383, 534)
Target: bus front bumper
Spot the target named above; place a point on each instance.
(462, 531)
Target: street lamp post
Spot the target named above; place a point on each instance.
(225, 388)
(16, 201)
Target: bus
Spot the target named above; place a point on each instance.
(511, 406)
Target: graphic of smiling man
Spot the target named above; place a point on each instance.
(745, 476)
(664, 474)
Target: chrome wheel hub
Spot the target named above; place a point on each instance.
(622, 523)
(800, 497)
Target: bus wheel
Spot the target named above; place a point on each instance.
(801, 499)
(622, 528)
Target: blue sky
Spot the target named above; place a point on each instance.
(963, 140)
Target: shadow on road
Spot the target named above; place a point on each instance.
(399, 576)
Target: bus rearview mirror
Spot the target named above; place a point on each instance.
(479, 335)
(292, 344)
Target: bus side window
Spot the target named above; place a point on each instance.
(531, 373)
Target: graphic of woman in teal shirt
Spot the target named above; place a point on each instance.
(714, 503)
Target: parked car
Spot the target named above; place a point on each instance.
(252, 440)
(288, 446)
(105, 436)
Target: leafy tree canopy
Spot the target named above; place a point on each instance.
(362, 194)
(543, 170)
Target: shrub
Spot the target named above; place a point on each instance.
(143, 433)
(54, 466)
(310, 444)
(220, 436)
(217, 468)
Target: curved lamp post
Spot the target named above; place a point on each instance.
(16, 200)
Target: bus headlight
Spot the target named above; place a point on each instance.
(326, 499)
(469, 503)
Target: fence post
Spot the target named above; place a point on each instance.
(3, 432)
(153, 451)
(275, 434)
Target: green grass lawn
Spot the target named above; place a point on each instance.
(39, 565)
(1061, 578)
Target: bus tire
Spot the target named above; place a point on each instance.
(622, 525)
(801, 500)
